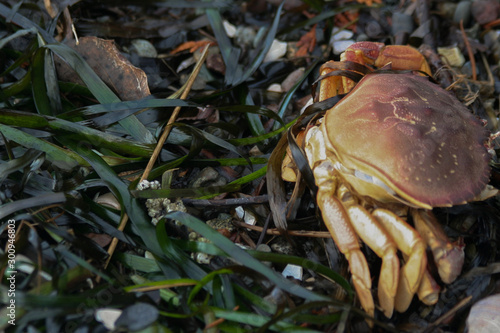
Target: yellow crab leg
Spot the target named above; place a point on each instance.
(374, 235)
(449, 258)
(336, 219)
(343, 234)
(428, 291)
(410, 243)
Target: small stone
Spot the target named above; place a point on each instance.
(277, 51)
(109, 200)
(281, 245)
(483, 316)
(338, 34)
(107, 317)
(293, 271)
(341, 45)
(230, 29)
(222, 222)
(275, 87)
(208, 177)
(485, 11)
(246, 215)
(245, 35)
(452, 55)
(402, 23)
(462, 13)
(292, 79)
(143, 48)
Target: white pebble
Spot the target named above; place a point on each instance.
(277, 50)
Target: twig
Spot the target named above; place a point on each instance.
(173, 117)
(159, 146)
(469, 51)
(452, 311)
(256, 200)
(302, 233)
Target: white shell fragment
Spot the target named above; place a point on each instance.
(340, 46)
(341, 40)
(343, 34)
(452, 56)
(246, 215)
(275, 87)
(107, 317)
(277, 50)
(293, 271)
(484, 316)
(109, 200)
(230, 29)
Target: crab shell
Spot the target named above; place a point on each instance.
(411, 135)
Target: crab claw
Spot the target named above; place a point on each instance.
(379, 55)
(449, 257)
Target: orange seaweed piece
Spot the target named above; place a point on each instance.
(307, 43)
(192, 46)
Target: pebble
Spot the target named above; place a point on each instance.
(402, 23)
(341, 40)
(341, 45)
(230, 29)
(143, 48)
(485, 11)
(462, 13)
(483, 316)
(293, 271)
(452, 55)
(277, 51)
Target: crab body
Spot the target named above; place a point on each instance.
(413, 136)
(396, 145)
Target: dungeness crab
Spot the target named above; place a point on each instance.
(396, 146)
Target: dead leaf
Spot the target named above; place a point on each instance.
(346, 19)
(126, 80)
(192, 46)
(307, 43)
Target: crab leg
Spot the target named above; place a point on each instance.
(410, 243)
(449, 258)
(374, 235)
(428, 291)
(344, 236)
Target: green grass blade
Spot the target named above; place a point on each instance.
(229, 53)
(154, 240)
(40, 200)
(76, 132)
(62, 158)
(268, 41)
(289, 95)
(242, 257)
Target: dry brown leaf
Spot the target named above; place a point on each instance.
(369, 2)
(192, 46)
(126, 80)
(306, 43)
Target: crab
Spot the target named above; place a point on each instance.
(396, 146)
